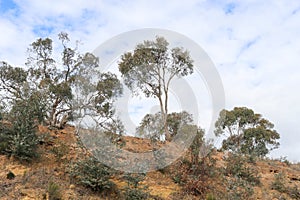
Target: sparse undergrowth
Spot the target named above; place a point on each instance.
(280, 184)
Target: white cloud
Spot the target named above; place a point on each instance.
(254, 44)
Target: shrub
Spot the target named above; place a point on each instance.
(239, 177)
(54, 191)
(278, 183)
(60, 151)
(135, 194)
(92, 174)
(133, 191)
(18, 136)
(238, 188)
(195, 178)
(177, 179)
(5, 138)
(294, 192)
(236, 166)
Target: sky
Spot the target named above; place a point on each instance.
(254, 45)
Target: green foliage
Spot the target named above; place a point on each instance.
(12, 81)
(240, 177)
(153, 59)
(278, 183)
(92, 174)
(294, 192)
(236, 166)
(151, 67)
(177, 120)
(195, 177)
(246, 132)
(177, 178)
(60, 150)
(24, 129)
(18, 135)
(238, 188)
(210, 197)
(283, 159)
(54, 83)
(95, 94)
(133, 191)
(54, 191)
(152, 125)
(5, 138)
(196, 145)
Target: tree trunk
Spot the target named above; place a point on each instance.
(167, 133)
(164, 118)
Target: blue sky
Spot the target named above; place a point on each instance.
(254, 44)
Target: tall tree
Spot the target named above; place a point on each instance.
(151, 67)
(56, 83)
(246, 132)
(54, 79)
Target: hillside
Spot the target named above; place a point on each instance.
(49, 174)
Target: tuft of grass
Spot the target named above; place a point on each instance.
(54, 191)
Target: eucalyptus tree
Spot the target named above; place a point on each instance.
(150, 68)
(246, 132)
(53, 80)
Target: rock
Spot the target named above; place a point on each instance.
(72, 186)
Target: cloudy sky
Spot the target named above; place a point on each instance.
(255, 45)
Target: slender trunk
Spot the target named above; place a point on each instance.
(164, 118)
(167, 133)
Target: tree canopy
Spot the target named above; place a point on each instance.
(151, 67)
(247, 132)
(60, 85)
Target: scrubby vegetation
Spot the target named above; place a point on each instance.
(90, 173)
(48, 94)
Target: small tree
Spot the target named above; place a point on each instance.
(196, 146)
(151, 67)
(19, 136)
(92, 174)
(246, 131)
(53, 79)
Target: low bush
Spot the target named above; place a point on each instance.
(236, 166)
(133, 190)
(18, 134)
(238, 188)
(195, 178)
(278, 183)
(92, 174)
